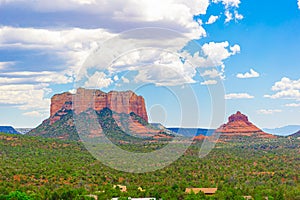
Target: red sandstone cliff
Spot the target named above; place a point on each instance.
(84, 99)
(238, 124)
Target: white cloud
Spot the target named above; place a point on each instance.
(229, 3)
(154, 66)
(293, 105)
(116, 78)
(230, 9)
(35, 77)
(286, 89)
(235, 49)
(125, 80)
(212, 73)
(98, 80)
(176, 14)
(212, 19)
(25, 96)
(268, 112)
(299, 4)
(209, 82)
(286, 84)
(251, 74)
(72, 45)
(213, 54)
(238, 16)
(229, 16)
(4, 65)
(34, 114)
(73, 91)
(238, 96)
(165, 67)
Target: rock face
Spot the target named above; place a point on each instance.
(84, 99)
(238, 124)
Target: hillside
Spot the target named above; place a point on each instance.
(296, 135)
(8, 129)
(44, 168)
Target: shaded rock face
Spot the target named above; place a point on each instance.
(296, 135)
(84, 99)
(238, 124)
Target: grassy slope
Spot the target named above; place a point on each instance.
(41, 167)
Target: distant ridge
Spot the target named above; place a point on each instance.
(8, 129)
(192, 132)
(296, 135)
(283, 131)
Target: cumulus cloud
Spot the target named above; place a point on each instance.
(212, 19)
(286, 89)
(268, 112)
(238, 96)
(251, 74)
(230, 9)
(211, 73)
(25, 96)
(238, 16)
(229, 3)
(175, 14)
(213, 54)
(74, 45)
(98, 80)
(299, 4)
(71, 44)
(229, 16)
(209, 82)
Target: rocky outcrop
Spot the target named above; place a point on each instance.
(200, 137)
(121, 116)
(238, 124)
(84, 99)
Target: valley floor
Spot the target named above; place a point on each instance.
(39, 168)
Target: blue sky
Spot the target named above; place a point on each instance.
(249, 47)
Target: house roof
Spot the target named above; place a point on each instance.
(204, 190)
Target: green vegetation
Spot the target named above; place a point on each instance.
(39, 168)
(62, 128)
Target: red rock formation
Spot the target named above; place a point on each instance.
(84, 99)
(238, 124)
(200, 137)
(58, 102)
